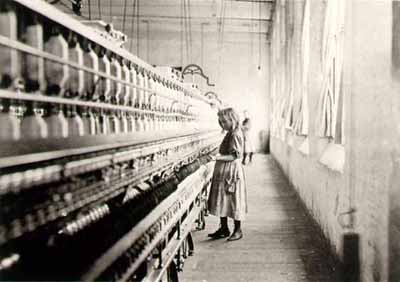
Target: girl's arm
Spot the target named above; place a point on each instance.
(225, 158)
(235, 144)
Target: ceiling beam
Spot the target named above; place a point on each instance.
(254, 1)
(192, 18)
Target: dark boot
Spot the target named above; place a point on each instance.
(223, 230)
(251, 157)
(237, 233)
(244, 158)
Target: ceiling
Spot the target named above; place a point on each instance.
(231, 16)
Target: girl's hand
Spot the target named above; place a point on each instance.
(211, 158)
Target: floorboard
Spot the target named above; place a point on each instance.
(280, 243)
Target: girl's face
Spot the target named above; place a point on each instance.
(226, 123)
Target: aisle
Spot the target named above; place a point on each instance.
(280, 244)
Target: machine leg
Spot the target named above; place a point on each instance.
(190, 244)
(179, 261)
(172, 272)
(201, 221)
(178, 229)
(160, 259)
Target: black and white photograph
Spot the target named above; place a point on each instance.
(200, 140)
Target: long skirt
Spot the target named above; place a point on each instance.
(248, 145)
(228, 195)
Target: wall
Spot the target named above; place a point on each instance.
(369, 179)
(233, 68)
(321, 189)
(394, 180)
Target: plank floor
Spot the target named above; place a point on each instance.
(280, 242)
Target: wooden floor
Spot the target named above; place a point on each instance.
(280, 242)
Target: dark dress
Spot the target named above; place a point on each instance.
(228, 196)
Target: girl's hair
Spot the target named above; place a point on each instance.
(230, 114)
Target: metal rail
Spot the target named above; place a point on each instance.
(5, 41)
(13, 154)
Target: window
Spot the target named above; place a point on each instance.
(330, 123)
(301, 125)
(330, 118)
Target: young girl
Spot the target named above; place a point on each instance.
(228, 196)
